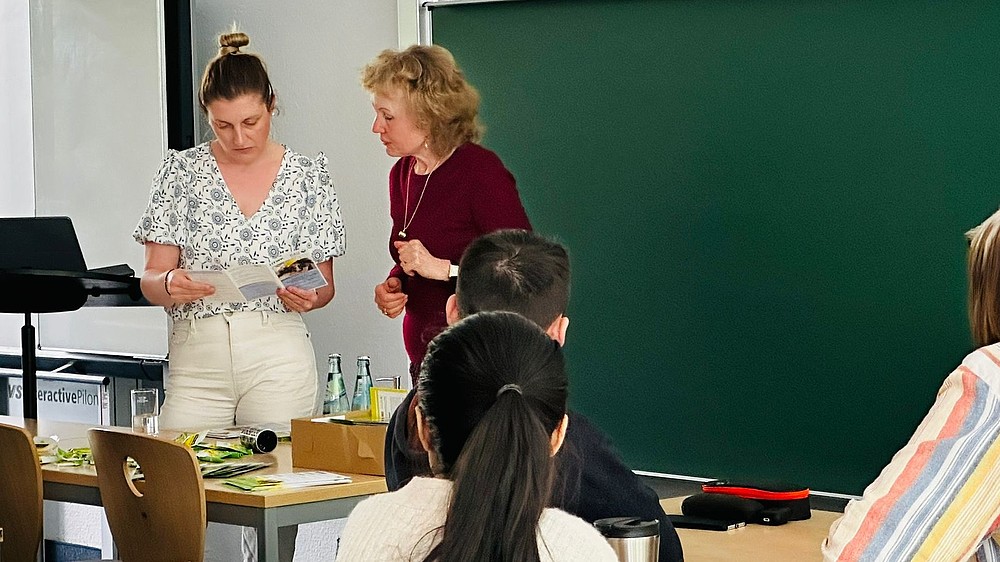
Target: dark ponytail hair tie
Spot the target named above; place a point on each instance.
(507, 387)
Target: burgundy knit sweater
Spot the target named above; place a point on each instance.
(468, 195)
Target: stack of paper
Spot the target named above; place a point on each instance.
(207, 451)
(281, 430)
(252, 483)
(227, 469)
(287, 480)
(224, 433)
(310, 478)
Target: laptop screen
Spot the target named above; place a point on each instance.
(48, 243)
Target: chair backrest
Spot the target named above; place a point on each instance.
(20, 495)
(161, 518)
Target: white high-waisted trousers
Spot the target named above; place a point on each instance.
(240, 368)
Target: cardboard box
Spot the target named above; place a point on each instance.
(339, 445)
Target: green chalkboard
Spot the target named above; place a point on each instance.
(765, 205)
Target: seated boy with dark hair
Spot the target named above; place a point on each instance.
(519, 271)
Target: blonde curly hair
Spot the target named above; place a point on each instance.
(442, 101)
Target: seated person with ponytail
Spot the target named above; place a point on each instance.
(520, 271)
(492, 414)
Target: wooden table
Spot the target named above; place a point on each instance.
(796, 541)
(266, 511)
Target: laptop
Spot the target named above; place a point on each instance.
(47, 243)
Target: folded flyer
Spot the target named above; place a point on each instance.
(255, 281)
(287, 480)
(310, 478)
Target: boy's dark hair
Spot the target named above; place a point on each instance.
(515, 270)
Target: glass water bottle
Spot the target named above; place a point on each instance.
(335, 401)
(362, 385)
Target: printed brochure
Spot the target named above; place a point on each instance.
(249, 282)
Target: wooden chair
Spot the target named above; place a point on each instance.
(160, 519)
(20, 495)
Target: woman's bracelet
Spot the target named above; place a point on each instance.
(166, 281)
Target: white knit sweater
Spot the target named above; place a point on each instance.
(401, 525)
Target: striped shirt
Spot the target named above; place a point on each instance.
(939, 497)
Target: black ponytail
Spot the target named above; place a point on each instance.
(494, 445)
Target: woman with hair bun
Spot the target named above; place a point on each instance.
(492, 414)
(240, 198)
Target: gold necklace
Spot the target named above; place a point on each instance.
(406, 201)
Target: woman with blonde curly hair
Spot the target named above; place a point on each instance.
(444, 191)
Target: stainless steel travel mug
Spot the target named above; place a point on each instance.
(633, 539)
(258, 439)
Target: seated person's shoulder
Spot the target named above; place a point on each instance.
(983, 363)
(986, 359)
(588, 446)
(584, 428)
(592, 479)
(568, 537)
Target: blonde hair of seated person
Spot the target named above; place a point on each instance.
(984, 281)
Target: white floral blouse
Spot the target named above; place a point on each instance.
(191, 207)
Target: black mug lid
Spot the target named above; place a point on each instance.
(627, 527)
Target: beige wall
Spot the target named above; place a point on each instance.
(406, 14)
(17, 193)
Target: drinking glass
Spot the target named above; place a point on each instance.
(146, 410)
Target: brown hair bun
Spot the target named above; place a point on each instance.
(231, 42)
